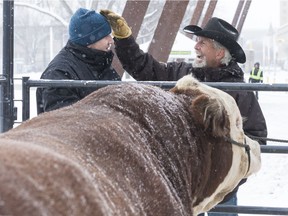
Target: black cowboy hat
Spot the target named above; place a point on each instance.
(222, 32)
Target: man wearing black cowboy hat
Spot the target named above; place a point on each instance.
(217, 54)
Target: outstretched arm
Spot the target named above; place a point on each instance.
(141, 65)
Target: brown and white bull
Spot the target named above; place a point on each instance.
(128, 149)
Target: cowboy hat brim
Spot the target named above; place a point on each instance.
(234, 48)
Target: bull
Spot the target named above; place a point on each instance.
(128, 149)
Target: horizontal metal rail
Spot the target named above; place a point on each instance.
(162, 84)
(42, 83)
(2, 79)
(274, 149)
(250, 210)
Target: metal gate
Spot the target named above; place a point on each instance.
(27, 84)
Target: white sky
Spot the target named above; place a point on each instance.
(262, 13)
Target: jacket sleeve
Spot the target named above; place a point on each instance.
(254, 123)
(54, 98)
(142, 66)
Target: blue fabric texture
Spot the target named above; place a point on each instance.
(87, 27)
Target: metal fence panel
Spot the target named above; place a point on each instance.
(166, 85)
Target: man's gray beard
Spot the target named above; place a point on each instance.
(197, 64)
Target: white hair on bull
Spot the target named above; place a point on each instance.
(127, 149)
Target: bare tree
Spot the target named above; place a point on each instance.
(41, 27)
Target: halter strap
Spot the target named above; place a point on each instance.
(244, 145)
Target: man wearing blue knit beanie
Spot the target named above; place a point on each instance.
(86, 56)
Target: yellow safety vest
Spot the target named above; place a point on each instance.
(256, 76)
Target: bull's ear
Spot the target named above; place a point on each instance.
(211, 115)
(174, 90)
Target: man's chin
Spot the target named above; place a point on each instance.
(199, 64)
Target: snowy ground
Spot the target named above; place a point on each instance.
(269, 187)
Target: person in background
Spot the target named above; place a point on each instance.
(256, 76)
(217, 54)
(86, 56)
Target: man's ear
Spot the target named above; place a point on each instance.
(220, 53)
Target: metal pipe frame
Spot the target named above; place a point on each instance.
(250, 210)
(162, 84)
(27, 84)
(7, 93)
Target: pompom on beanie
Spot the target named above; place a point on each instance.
(87, 27)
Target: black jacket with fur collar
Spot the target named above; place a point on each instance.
(74, 62)
(142, 66)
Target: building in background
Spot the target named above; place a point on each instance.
(281, 37)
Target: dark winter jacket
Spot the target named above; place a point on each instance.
(142, 66)
(74, 62)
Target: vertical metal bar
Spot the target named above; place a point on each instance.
(8, 47)
(133, 13)
(237, 13)
(197, 12)
(25, 99)
(167, 29)
(243, 15)
(196, 15)
(209, 12)
(1, 107)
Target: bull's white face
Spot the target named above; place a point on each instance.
(240, 168)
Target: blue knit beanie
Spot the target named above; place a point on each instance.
(87, 27)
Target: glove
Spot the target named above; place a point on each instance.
(118, 24)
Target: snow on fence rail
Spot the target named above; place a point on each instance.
(27, 84)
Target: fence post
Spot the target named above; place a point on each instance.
(7, 94)
(25, 99)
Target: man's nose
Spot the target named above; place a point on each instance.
(110, 39)
(196, 46)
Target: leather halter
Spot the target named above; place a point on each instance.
(244, 145)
